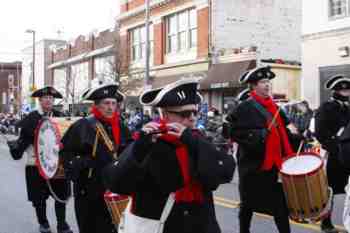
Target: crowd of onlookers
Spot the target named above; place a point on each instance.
(8, 123)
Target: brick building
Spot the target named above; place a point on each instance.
(74, 65)
(213, 40)
(10, 86)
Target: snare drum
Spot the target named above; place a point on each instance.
(116, 205)
(305, 186)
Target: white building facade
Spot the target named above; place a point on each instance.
(41, 74)
(325, 46)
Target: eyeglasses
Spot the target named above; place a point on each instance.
(186, 113)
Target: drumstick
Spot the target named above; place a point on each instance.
(300, 147)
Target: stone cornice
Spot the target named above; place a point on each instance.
(324, 34)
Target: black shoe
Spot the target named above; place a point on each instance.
(328, 228)
(45, 228)
(64, 228)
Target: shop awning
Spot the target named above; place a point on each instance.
(164, 80)
(226, 75)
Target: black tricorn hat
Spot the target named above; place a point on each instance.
(257, 74)
(243, 95)
(337, 82)
(179, 93)
(48, 90)
(103, 92)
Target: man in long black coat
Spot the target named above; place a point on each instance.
(84, 167)
(259, 128)
(37, 188)
(169, 157)
(331, 117)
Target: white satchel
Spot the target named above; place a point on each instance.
(131, 223)
(346, 213)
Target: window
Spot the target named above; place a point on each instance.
(138, 42)
(181, 31)
(79, 81)
(60, 80)
(104, 66)
(338, 8)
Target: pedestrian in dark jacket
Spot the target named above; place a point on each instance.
(263, 143)
(170, 158)
(330, 119)
(37, 187)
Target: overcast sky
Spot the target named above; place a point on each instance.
(46, 17)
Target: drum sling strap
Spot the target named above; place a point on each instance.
(112, 147)
(265, 113)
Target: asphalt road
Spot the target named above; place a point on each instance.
(17, 215)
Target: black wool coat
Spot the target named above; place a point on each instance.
(259, 190)
(329, 119)
(150, 171)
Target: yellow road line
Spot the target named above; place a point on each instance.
(235, 204)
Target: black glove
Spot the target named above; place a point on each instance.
(15, 151)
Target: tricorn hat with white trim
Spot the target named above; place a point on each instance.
(338, 82)
(257, 74)
(243, 95)
(179, 93)
(45, 91)
(102, 89)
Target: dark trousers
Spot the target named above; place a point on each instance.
(38, 192)
(261, 192)
(280, 216)
(92, 215)
(40, 210)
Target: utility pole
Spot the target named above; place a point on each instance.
(147, 81)
(33, 63)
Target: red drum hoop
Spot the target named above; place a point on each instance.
(47, 153)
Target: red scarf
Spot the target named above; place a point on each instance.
(113, 121)
(192, 190)
(277, 144)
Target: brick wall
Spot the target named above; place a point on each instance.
(159, 43)
(203, 32)
(273, 26)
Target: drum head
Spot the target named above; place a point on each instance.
(301, 165)
(47, 147)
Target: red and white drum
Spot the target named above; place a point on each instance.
(305, 186)
(116, 205)
(46, 149)
(47, 145)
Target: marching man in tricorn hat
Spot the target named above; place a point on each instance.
(89, 145)
(37, 187)
(171, 157)
(330, 119)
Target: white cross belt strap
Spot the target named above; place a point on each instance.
(131, 223)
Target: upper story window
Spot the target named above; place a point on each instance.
(181, 31)
(138, 42)
(104, 67)
(339, 8)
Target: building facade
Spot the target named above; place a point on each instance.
(74, 65)
(325, 46)
(212, 40)
(249, 33)
(10, 86)
(42, 75)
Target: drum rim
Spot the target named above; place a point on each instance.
(36, 152)
(115, 196)
(312, 172)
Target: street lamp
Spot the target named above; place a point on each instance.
(33, 62)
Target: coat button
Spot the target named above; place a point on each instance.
(82, 192)
(186, 212)
(221, 163)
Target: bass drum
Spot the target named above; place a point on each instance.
(47, 145)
